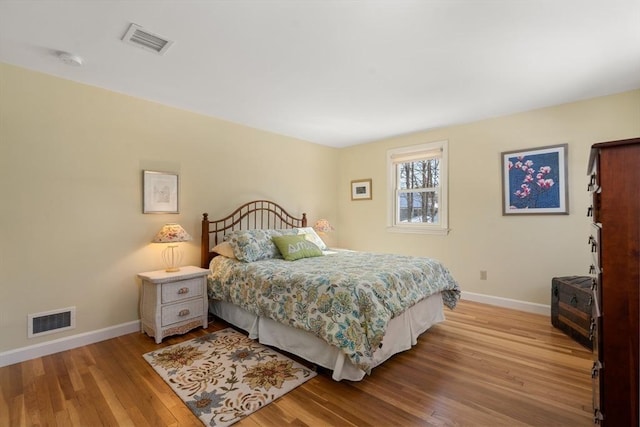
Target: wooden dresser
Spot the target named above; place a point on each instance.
(615, 186)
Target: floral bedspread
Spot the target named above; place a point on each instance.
(345, 298)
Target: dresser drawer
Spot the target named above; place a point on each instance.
(594, 245)
(596, 373)
(180, 312)
(182, 290)
(595, 207)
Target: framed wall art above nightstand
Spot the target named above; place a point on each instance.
(159, 192)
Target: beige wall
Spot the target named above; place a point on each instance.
(72, 232)
(520, 254)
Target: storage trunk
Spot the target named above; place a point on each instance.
(571, 300)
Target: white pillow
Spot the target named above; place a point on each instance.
(311, 235)
(224, 249)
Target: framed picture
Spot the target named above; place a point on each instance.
(361, 189)
(160, 192)
(534, 181)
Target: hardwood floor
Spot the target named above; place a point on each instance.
(484, 366)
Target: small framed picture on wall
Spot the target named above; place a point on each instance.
(160, 192)
(361, 189)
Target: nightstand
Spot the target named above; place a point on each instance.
(173, 303)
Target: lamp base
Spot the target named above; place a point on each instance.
(172, 257)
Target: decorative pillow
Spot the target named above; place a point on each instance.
(312, 236)
(296, 247)
(255, 245)
(224, 249)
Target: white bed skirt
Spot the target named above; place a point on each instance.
(402, 333)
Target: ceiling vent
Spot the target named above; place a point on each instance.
(138, 36)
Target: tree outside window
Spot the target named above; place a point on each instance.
(417, 188)
(418, 193)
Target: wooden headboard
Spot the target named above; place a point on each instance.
(259, 214)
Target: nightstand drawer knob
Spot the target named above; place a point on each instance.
(183, 291)
(184, 312)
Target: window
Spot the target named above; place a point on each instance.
(417, 185)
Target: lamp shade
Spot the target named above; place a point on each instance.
(323, 226)
(172, 233)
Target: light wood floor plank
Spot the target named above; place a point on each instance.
(484, 366)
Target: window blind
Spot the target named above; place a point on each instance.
(413, 156)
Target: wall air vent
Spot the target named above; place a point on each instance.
(50, 322)
(138, 36)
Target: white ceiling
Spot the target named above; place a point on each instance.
(336, 72)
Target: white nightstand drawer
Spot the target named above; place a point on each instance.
(181, 290)
(173, 302)
(182, 311)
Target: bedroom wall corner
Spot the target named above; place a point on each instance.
(520, 254)
(74, 234)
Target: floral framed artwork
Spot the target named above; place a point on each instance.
(160, 192)
(534, 181)
(361, 189)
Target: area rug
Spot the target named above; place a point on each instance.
(225, 376)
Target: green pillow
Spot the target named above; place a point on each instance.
(296, 247)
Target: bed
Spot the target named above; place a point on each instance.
(272, 276)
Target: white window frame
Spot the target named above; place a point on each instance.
(412, 153)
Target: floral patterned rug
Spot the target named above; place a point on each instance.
(225, 376)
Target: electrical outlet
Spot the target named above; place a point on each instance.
(483, 275)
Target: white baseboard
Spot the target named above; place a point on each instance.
(530, 307)
(67, 343)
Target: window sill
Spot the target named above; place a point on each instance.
(418, 230)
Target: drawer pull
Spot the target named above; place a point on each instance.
(183, 291)
(590, 211)
(592, 269)
(597, 416)
(184, 312)
(595, 370)
(594, 284)
(592, 329)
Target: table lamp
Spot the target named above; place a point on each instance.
(172, 234)
(323, 226)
